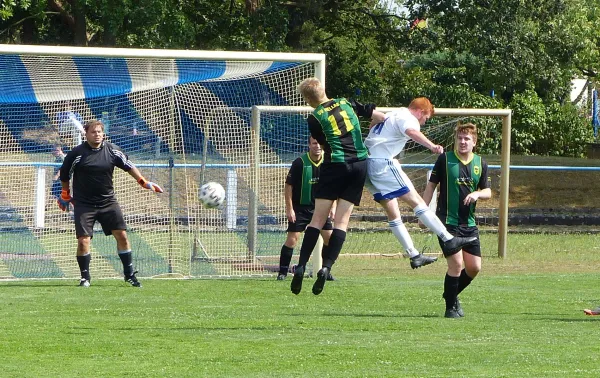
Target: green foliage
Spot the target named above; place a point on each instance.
(519, 45)
(529, 123)
(568, 131)
(527, 52)
(548, 129)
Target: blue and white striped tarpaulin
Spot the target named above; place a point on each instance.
(49, 78)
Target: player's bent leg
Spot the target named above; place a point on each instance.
(428, 218)
(399, 230)
(472, 264)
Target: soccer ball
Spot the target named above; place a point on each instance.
(212, 194)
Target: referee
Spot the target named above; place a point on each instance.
(91, 165)
(300, 203)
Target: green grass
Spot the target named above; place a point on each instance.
(379, 319)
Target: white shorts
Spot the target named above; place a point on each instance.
(386, 179)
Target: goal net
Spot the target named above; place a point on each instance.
(182, 117)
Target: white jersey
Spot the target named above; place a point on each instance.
(387, 139)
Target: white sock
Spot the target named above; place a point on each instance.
(429, 219)
(401, 233)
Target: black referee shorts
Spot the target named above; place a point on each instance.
(110, 218)
(303, 218)
(342, 180)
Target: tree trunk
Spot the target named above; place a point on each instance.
(80, 27)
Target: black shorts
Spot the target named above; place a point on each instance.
(342, 181)
(110, 218)
(465, 231)
(303, 218)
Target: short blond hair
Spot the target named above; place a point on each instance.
(466, 128)
(311, 89)
(422, 103)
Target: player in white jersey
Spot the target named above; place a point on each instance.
(387, 182)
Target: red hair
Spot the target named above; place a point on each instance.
(422, 103)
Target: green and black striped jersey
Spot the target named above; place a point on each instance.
(302, 176)
(457, 179)
(335, 126)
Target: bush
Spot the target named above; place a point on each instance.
(568, 131)
(547, 129)
(529, 123)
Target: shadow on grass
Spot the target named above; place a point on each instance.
(583, 319)
(350, 315)
(34, 284)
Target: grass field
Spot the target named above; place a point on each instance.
(379, 319)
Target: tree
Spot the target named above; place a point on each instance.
(516, 45)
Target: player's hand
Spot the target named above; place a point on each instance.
(64, 200)
(291, 216)
(437, 149)
(149, 185)
(471, 198)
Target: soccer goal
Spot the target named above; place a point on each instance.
(283, 130)
(183, 117)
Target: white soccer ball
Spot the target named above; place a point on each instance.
(212, 194)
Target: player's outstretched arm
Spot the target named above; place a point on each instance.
(367, 111)
(362, 110)
(135, 173)
(420, 138)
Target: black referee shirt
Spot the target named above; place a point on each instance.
(92, 172)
